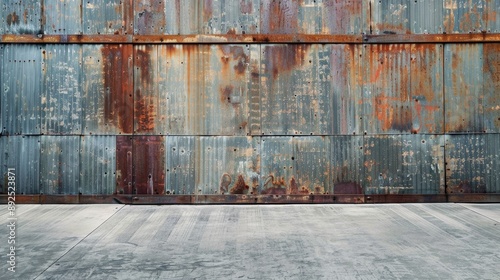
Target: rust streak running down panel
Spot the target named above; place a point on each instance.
(124, 165)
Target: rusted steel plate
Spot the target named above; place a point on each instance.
(20, 17)
(491, 72)
(148, 164)
(472, 163)
(23, 154)
(404, 164)
(346, 164)
(311, 89)
(193, 90)
(227, 165)
(107, 89)
(402, 91)
(60, 165)
(474, 197)
(155, 199)
(464, 88)
(180, 155)
(124, 165)
(97, 165)
(295, 165)
(107, 17)
(20, 87)
(58, 17)
(313, 17)
(405, 198)
(464, 16)
(62, 89)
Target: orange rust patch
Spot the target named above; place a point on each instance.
(240, 187)
(117, 82)
(145, 108)
(225, 94)
(12, 19)
(285, 58)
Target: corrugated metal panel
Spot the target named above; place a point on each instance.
(227, 165)
(465, 16)
(107, 17)
(295, 165)
(124, 165)
(149, 164)
(464, 88)
(491, 68)
(347, 166)
(150, 16)
(313, 17)
(492, 16)
(403, 89)
(62, 17)
(62, 93)
(390, 16)
(60, 165)
(204, 90)
(404, 164)
(20, 85)
(23, 154)
(107, 89)
(426, 16)
(472, 163)
(180, 165)
(295, 90)
(209, 17)
(20, 17)
(97, 164)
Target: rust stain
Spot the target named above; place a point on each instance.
(246, 6)
(285, 58)
(118, 85)
(347, 188)
(225, 94)
(207, 10)
(149, 165)
(391, 115)
(124, 165)
(224, 183)
(240, 187)
(282, 17)
(12, 19)
(339, 14)
(466, 187)
(145, 109)
(471, 21)
(150, 17)
(274, 187)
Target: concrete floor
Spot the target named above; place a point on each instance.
(409, 241)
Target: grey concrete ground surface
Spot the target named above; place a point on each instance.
(391, 241)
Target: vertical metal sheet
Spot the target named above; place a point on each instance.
(347, 165)
(386, 93)
(227, 165)
(295, 90)
(180, 165)
(295, 165)
(148, 164)
(150, 16)
(390, 16)
(107, 89)
(313, 17)
(472, 163)
(491, 79)
(197, 89)
(23, 154)
(107, 17)
(465, 16)
(464, 88)
(124, 165)
(62, 17)
(404, 164)
(211, 17)
(20, 17)
(426, 16)
(62, 92)
(60, 165)
(20, 86)
(492, 16)
(97, 164)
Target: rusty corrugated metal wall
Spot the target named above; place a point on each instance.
(250, 101)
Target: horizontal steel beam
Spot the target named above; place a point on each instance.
(250, 199)
(250, 39)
